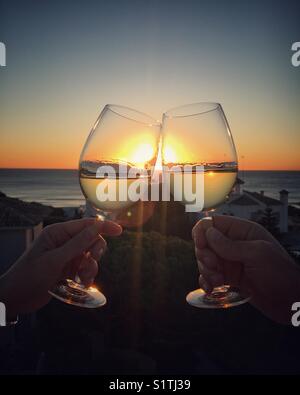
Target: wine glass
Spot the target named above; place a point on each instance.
(197, 145)
(115, 170)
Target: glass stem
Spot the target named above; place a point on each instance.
(78, 281)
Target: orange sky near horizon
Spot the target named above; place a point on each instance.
(63, 66)
(59, 158)
(59, 145)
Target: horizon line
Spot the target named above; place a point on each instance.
(73, 169)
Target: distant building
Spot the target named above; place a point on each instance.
(252, 205)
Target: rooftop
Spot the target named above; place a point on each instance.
(264, 199)
(243, 200)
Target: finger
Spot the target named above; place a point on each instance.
(71, 269)
(88, 270)
(204, 284)
(98, 248)
(218, 271)
(203, 270)
(57, 235)
(71, 227)
(199, 230)
(109, 228)
(83, 240)
(233, 273)
(225, 248)
(240, 229)
(208, 258)
(68, 229)
(213, 277)
(200, 266)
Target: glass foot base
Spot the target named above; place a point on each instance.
(73, 293)
(219, 298)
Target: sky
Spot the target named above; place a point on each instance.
(67, 59)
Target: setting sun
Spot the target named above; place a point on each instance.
(143, 153)
(169, 155)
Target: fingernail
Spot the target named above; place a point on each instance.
(108, 226)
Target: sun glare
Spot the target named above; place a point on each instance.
(143, 153)
(169, 155)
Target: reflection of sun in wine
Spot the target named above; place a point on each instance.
(174, 152)
(143, 153)
(137, 150)
(169, 155)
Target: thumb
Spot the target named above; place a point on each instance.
(83, 240)
(231, 250)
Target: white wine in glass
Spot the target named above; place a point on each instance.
(217, 184)
(94, 188)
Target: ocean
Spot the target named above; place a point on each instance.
(57, 188)
(60, 188)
